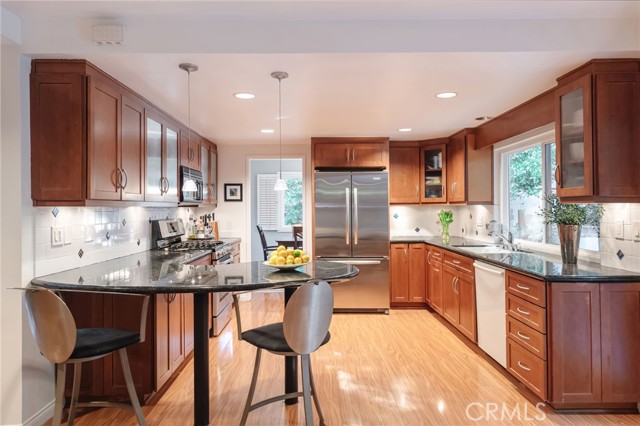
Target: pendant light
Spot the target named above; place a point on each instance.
(281, 184)
(189, 184)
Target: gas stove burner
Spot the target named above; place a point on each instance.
(195, 245)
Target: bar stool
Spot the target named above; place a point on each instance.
(58, 339)
(304, 329)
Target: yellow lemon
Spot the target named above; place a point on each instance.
(297, 260)
(273, 253)
(290, 257)
(305, 258)
(272, 260)
(289, 252)
(289, 262)
(280, 260)
(281, 248)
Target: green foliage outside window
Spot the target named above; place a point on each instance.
(525, 173)
(293, 202)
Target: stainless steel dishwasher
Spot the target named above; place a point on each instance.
(490, 309)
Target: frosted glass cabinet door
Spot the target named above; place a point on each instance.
(214, 176)
(204, 164)
(574, 146)
(171, 173)
(154, 160)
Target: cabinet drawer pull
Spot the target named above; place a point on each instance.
(523, 336)
(457, 262)
(523, 311)
(523, 287)
(523, 366)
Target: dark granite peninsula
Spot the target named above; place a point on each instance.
(158, 272)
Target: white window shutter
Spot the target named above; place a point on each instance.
(267, 202)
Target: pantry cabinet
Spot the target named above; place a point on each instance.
(598, 131)
(407, 274)
(370, 153)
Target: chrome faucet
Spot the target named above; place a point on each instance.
(505, 238)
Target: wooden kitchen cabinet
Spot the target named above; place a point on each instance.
(433, 173)
(469, 174)
(434, 279)
(162, 178)
(598, 131)
(190, 149)
(209, 165)
(350, 153)
(404, 174)
(170, 348)
(459, 294)
(407, 274)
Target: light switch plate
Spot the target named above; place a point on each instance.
(619, 229)
(67, 235)
(635, 230)
(57, 235)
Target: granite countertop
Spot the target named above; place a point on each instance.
(542, 265)
(157, 271)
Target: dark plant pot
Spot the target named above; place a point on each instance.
(569, 243)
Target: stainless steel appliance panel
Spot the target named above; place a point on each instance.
(332, 214)
(370, 214)
(368, 291)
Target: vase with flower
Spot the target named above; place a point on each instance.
(445, 218)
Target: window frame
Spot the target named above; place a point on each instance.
(281, 227)
(538, 137)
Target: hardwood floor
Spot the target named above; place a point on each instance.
(406, 368)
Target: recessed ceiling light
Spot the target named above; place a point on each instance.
(405, 129)
(484, 118)
(244, 95)
(266, 131)
(446, 95)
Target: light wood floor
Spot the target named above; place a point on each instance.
(406, 368)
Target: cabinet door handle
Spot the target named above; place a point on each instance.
(522, 287)
(523, 311)
(429, 258)
(417, 190)
(118, 178)
(523, 366)
(126, 178)
(347, 152)
(556, 175)
(453, 284)
(166, 186)
(353, 155)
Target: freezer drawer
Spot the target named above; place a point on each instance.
(368, 291)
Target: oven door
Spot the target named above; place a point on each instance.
(224, 260)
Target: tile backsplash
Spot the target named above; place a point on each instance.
(617, 237)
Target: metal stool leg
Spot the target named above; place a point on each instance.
(306, 389)
(77, 377)
(252, 389)
(316, 400)
(61, 370)
(124, 360)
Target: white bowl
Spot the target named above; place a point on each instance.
(284, 267)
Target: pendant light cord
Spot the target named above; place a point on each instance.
(280, 121)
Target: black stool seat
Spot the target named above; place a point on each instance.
(92, 342)
(271, 338)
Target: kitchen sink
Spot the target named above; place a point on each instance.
(487, 249)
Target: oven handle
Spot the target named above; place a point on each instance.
(224, 260)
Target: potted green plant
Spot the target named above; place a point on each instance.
(445, 218)
(569, 218)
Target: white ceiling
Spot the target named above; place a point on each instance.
(359, 68)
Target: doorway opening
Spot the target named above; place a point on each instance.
(275, 211)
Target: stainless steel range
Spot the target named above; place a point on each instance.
(167, 234)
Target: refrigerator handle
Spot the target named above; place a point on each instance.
(355, 216)
(348, 221)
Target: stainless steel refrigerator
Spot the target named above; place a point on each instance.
(352, 226)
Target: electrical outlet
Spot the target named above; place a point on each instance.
(635, 230)
(619, 229)
(57, 235)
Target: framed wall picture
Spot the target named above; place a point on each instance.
(233, 192)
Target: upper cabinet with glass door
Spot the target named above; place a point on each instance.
(598, 132)
(209, 166)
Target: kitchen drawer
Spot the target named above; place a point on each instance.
(530, 370)
(527, 288)
(533, 341)
(434, 255)
(532, 315)
(460, 263)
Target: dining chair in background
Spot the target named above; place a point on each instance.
(297, 235)
(263, 240)
(304, 329)
(62, 343)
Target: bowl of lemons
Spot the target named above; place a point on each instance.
(284, 258)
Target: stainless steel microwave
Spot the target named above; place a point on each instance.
(191, 197)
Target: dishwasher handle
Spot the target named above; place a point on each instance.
(358, 262)
(499, 272)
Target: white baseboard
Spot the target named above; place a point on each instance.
(42, 416)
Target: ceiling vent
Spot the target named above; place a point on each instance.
(108, 35)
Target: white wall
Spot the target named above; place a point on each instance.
(235, 218)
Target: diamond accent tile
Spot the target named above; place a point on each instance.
(124, 222)
(108, 236)
(80, 280)
(395, 215)
(417, 229)
(80, 253)
(139, 263)
(138, 242)
(620, 254)
(55, 212)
